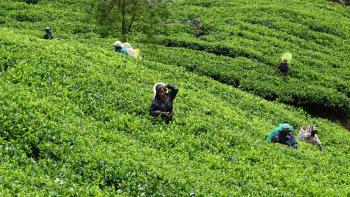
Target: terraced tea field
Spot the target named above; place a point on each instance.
(74, 115)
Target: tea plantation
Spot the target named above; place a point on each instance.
(74, 115)
(247, 39)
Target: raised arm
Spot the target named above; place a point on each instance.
(173, 91)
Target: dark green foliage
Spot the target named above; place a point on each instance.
(121, 17)
(28, 1)
(318, 72)
(251, 75)
(32, 1)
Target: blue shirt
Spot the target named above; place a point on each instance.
(121, 50)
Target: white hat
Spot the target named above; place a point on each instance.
(118, 44)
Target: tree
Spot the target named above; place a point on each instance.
(144, 16)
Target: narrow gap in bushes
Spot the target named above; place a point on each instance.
(217, 50)
(32, 1)
(319, 110)
(34, 151)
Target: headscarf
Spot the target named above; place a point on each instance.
(155, 88)
(287, 126)
(48, 29)
(278, 129)
(128, 48)
(308, 128)
(118, 44)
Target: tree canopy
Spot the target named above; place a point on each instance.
(124, 16)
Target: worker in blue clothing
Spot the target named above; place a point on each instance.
(283, 134)
(119, 48)
(48, 33)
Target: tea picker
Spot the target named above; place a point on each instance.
(308, 134)
(283, 66)
(48, 33)
(119, 48)
(126, 49)
(283, 134)
(162, 103)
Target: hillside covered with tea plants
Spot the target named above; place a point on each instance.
(246, 39)
(74, 115)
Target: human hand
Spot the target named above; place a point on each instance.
(313, 133)
(167, 114)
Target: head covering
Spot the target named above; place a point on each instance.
(287, 126)
(48, 29)
(118, 44)
(287, 56)
(155, 88)
(278, 129)
(308, 128)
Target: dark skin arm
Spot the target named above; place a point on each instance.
(173, 91)
(155, 112)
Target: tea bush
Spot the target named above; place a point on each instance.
(315, 33)
(74, 117)
(85, 109)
